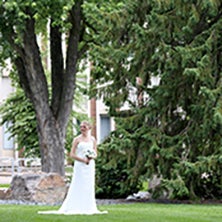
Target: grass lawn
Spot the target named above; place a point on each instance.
(141, 212)
(4, 185)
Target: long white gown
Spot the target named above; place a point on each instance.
(80, 198)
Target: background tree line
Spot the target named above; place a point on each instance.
(172, 129)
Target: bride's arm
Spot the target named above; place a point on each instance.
(73, 152)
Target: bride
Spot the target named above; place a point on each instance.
(80, 198)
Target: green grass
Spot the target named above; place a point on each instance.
(4, 185)
(139, 212)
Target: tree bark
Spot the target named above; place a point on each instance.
(52, 115)
(51, 133)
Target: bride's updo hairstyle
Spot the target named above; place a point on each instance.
(87, 123)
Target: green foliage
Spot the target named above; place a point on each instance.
(121, 161)
(177, 124)
(19, 111)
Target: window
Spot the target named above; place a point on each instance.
(8, 141)
(105, 127)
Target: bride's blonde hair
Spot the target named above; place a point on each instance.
(87, 123)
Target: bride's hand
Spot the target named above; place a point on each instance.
(86, 161)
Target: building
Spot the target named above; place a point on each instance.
(104, 124)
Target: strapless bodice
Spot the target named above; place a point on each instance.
(82, 147)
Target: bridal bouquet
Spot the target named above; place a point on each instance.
(91, 154)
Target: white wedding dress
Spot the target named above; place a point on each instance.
(80, 198)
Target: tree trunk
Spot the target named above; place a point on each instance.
(52, 109)
(51, 133)
(51, 141)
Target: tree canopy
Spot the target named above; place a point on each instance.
(172, 129)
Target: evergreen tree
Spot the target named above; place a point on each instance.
(175, 130)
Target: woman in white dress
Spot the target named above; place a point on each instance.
(80, 198)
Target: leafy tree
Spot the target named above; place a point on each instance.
(17, 109)
(172, 129)
(27, 28)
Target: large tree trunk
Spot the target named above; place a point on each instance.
(51, 132)
(51, 141)
(52, 114)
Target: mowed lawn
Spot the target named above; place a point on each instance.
(147, 212)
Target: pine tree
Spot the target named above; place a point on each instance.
(176, 131)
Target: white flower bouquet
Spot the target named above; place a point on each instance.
(90, 154)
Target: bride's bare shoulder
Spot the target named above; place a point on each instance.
(93, 138)
(77, 139)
